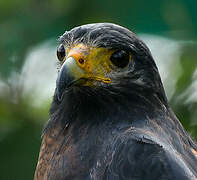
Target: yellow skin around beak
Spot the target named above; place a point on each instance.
(93, 62)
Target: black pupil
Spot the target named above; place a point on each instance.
(120, 58)
(61, 52)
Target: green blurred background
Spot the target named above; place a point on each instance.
(28, 39)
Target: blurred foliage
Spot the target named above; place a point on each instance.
(24, 24)
(186, 112)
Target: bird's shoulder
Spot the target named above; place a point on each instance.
(137, 154)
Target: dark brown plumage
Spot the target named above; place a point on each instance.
(110, 118)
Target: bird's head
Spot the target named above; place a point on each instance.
(104, 55)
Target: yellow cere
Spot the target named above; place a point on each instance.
(95, 62)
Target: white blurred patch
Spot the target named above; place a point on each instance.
(39, 73)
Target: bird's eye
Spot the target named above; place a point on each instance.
(61, 52)
(120, 58)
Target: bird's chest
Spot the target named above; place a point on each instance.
(61, 158)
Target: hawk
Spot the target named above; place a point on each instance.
(110, 118)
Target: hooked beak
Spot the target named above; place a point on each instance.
(69, 75)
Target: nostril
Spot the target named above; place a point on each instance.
(81, 61)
